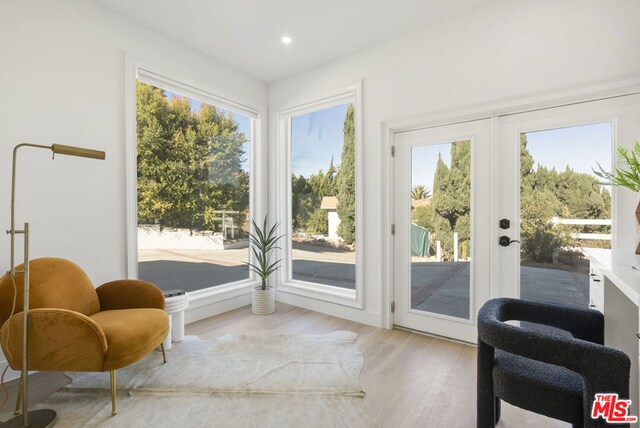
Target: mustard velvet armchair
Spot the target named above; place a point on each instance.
(76, 327)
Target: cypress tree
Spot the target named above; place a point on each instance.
(452, 198)
(346, 181)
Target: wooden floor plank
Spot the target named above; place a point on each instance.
(410, 380)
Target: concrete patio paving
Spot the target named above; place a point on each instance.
(437, 287)
(192, 270)
(443, 288)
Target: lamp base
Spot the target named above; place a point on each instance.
(37, 419)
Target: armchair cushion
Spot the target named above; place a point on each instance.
(54, 283)
(131, 334)
(129, 294)
(58, 339)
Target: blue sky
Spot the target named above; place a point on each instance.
(244, 122)
(580, 147)
(316, 137)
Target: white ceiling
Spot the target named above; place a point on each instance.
(245, 34)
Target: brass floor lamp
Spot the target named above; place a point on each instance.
(44, 417)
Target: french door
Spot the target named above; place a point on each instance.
(442, 227)
(505, 207)
(562, 145)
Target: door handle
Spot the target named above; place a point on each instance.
(505, 241)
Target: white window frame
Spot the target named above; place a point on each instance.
(286, 283)
(138, 71)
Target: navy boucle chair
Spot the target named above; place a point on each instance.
(546, 373)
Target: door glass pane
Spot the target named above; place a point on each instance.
(193, 191)
(441, 228)
(563, 209)
(323, 197)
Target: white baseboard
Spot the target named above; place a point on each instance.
(348, 313)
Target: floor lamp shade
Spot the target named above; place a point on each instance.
(44, 417)
(77, 151)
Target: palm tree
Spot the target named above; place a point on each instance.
(420, 192)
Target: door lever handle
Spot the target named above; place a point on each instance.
(505, 241)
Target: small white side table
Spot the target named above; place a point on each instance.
(175, 307)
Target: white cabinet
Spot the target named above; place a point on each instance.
(614, 289)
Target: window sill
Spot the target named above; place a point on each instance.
(326, 293)
(218, 293)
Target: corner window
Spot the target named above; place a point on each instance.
(322, 203)
(193, 190)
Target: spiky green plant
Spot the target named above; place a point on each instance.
(419, 191)
(263, 242)
(628, 175)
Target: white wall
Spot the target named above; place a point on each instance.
(62, 80)
(502, 49)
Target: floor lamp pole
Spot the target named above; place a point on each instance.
(44, 417)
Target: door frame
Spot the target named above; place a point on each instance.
(629, 85)
(478, 133)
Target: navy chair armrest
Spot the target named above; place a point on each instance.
(585, 324)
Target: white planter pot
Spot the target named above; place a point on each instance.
(263, 301)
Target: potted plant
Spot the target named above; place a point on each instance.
(263, 241)
(627, 174)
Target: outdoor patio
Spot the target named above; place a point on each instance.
(443, 288)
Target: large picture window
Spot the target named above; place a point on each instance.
(193, 191)
(322, 202)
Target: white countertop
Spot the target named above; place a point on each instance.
(623, 276)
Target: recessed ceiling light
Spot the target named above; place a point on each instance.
(286, 40)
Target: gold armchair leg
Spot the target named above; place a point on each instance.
(113, 393)
(164, 354)
(19, 398)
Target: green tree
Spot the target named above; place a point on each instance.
(324, 184)
(346, 181)
(538, 204)
(582, 195)
(545, 194)
(539, 236)
(526, 165)
(226, 183)
(303, 202)
(423, 217)
(189, 164)
(452, 197)
(318, 222)
(152, 130)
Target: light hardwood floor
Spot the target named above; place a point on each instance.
(410, 380)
